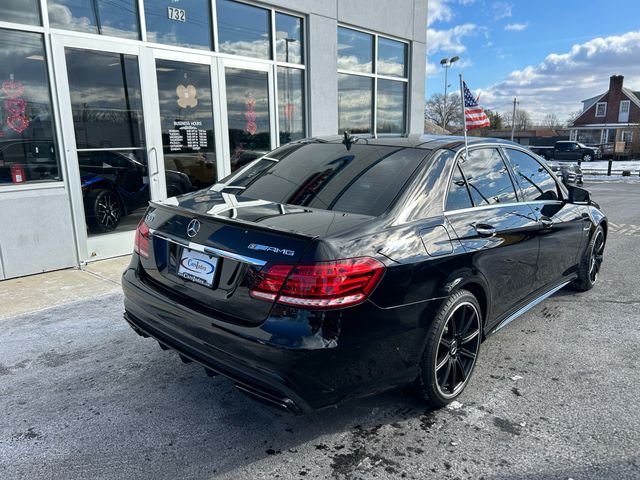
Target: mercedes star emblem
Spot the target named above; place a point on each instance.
(193, 228)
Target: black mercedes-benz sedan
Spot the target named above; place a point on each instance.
(334, 268)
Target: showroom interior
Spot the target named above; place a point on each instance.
(108, 104)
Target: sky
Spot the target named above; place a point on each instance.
(548, 54)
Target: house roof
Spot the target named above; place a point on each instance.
(432, 128)
(586, 104)
(589, 102)
(534, 132)
(633, 96)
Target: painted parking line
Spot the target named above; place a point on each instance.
(624, 229)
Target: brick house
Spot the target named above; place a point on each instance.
(612, 116)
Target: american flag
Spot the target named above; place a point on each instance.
(474, 116)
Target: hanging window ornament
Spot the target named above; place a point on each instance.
(15, 106)
(18, 123)
(250, 115)
(187, 96)
(12, 89)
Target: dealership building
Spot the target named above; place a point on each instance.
(107, 104)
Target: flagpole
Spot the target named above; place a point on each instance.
(464, 121)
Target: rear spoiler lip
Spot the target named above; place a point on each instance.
(231, 221)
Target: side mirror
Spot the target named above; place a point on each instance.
(579, 195)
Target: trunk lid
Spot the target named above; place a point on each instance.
(239, 235)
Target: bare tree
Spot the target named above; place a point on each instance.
(523, 119)
(572, 117)
(449, 115)
(550, 120)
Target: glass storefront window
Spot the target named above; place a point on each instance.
(27, 139)
(364, 90)
(185, 23)
(21, 11)
(243, 29)
(247, 115)
(289, 41)
(355, 101)
(291, 104)
(186, 116)
(392, 58)
(392, 98)
(355, 50)
(118, 18)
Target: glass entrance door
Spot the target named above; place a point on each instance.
(250, 111)
(188, 125)
(108, 167)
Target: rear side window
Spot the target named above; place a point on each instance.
(364, 179)
(458, 196)
(488, 178)
(534, 180)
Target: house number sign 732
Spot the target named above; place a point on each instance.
(176, 14)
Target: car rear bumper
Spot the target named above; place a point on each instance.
(295, 379)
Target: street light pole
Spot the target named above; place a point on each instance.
(446, 63)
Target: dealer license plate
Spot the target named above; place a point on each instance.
(197, 267)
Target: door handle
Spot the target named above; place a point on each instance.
(546, 222)
(485, 230)
(156, 170)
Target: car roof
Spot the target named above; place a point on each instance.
(428, 142)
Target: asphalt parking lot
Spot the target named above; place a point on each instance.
(555, 395)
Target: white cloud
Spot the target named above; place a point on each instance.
(450, 40)
(562, 80)
(501, 10)
(431, 70)
(438, 11)
(515, 27)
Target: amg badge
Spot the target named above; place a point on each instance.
(266, 248)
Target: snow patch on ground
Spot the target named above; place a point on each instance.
(616, 165)
(612, 178)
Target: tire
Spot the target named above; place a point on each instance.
(103, 210)
(587, 157)
(451, 350)
(591, 262)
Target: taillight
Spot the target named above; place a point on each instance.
(141, 243)
(325, 285)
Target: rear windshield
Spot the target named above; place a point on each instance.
(363, 180)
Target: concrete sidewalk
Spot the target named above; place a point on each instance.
(44, 290)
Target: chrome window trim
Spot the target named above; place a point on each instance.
(499, 146)
(495, 205)
(207, 250)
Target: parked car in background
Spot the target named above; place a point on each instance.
(114, 185)
(335, 268)
(567, 150)
(568, 173)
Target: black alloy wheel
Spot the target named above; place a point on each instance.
(104, 212)
(591, 263)
(597, 255)
(452, 349)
